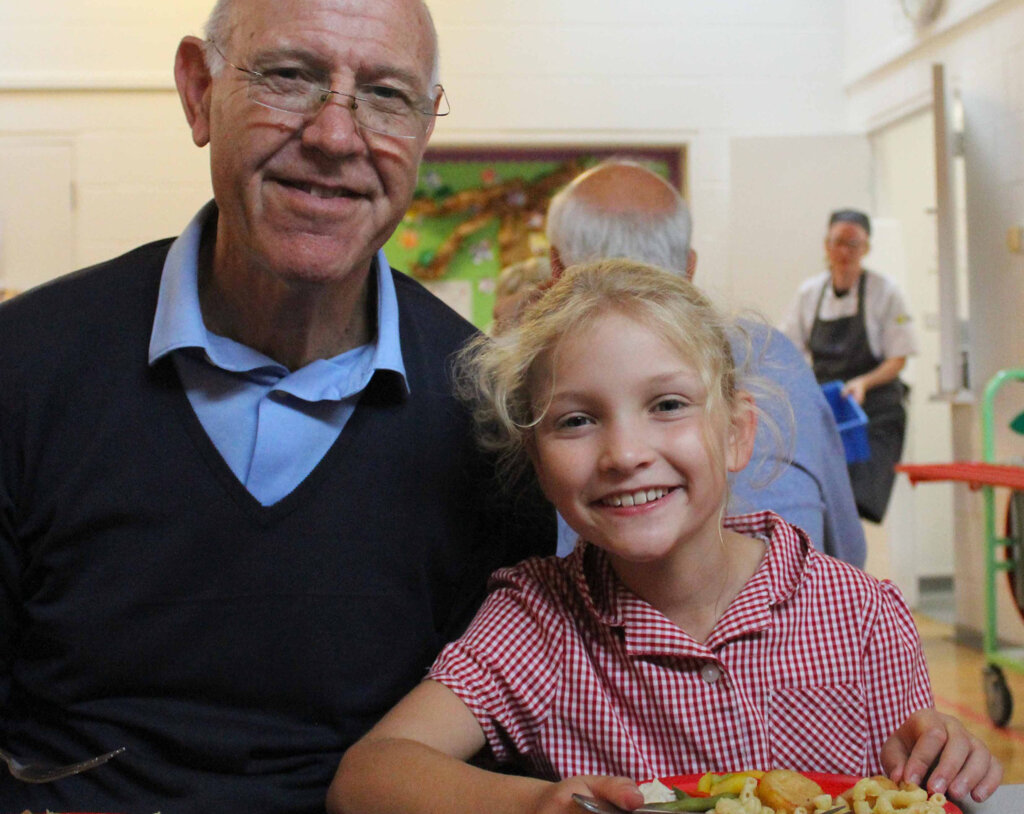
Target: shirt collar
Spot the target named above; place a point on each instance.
(647, 631)
(178, 322)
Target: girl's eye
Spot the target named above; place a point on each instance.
(670, 404)
(572, 422)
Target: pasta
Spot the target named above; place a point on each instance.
(868, 796)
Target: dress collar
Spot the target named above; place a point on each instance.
(648, 632)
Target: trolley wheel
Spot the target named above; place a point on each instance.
(998, 700)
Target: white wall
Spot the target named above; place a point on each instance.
(93, 43)
(687, 72)
(97, 76)
(888, 75)
(94, 79)
(782, 189)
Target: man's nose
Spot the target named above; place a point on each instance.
(334, 129)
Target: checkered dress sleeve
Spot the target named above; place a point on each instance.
(508, 665)
(896, 682)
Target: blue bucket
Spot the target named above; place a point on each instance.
(851, 421)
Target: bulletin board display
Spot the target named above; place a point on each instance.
(477, 210)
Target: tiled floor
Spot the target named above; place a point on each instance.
(956, 673)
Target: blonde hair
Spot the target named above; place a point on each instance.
(514, 277)
(496, 375)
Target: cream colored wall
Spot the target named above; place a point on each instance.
(98, 76)
(97, 43)
(888, 75)
(663, 71)
(135, 174)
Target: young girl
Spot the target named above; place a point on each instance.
(673, 640)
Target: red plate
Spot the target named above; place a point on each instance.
(834, 784)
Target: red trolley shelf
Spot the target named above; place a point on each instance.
(1003, 554)
(975, 474)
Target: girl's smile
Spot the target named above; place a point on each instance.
(640, 497)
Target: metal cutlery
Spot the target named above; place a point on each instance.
(45, 773)
(595, 806)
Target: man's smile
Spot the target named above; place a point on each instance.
(320, 190)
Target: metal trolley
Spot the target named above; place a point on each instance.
(987, 475)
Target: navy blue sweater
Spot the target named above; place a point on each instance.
(148, 601)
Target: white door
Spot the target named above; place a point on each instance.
(920, 526)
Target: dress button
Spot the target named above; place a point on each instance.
(710, 673)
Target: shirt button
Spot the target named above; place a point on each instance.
(710, 673)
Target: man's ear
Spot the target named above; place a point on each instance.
(691, 264)
(437, 107)
(192, 76)
(741, 433)
(556, 263)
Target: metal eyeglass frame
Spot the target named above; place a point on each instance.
(255, 77)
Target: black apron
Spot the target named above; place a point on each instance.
(840, 350)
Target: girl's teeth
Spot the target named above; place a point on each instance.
(638, 498)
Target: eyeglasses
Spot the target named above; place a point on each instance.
(381, 109)
(853, 245)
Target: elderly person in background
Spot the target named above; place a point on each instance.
(622, 209)
(855, 327)
(240, 510)
(518, 285)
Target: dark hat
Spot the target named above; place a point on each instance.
(851, 216)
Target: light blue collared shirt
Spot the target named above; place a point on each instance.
(271, 425)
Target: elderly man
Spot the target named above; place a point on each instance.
(240, 510)
(622, 209)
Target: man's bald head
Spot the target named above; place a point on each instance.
(620, 209)
(220, 28)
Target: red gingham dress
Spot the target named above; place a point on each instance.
(811, 667)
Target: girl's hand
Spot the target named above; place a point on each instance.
(933, 745)
(556, 798)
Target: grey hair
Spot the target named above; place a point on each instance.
(220, 27)
(218, 30)
(582, 233)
